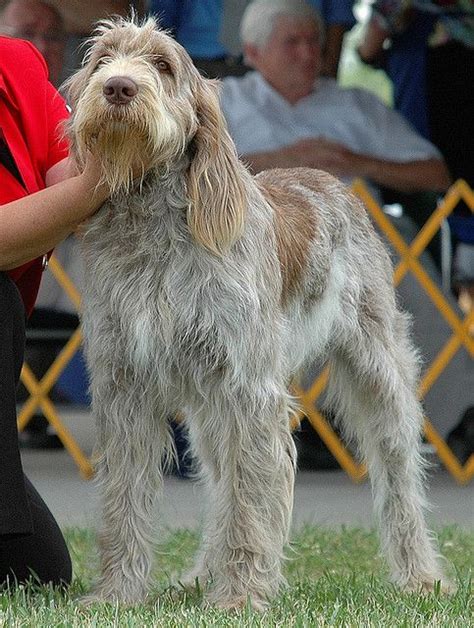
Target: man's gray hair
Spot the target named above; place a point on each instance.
(259, 18)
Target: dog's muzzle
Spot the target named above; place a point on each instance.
(120, 90)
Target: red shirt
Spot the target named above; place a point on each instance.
(31, 111)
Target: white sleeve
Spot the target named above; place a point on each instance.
(240, 112)
(230, 101)
(392, 137)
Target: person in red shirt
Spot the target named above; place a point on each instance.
(42, 200)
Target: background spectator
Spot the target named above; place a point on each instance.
(285, 114)
(42, 25)
(427, 49)
(209, 30)
(79, 19)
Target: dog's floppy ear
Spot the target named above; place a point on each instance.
(215, 183)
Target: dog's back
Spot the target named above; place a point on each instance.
(324, 241)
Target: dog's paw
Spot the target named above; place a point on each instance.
(239, 603)
(194, 579)
(91, 599)
(435, 585)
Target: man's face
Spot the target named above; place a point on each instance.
(290, 60)
(38, 24)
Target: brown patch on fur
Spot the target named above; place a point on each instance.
(295, 219)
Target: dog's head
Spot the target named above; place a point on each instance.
(139, 103)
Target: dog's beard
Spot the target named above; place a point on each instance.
(128, 145)
(125, 154)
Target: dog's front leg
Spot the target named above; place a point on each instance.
(131, 443)
(250, 480)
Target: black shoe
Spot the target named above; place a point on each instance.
(36, 435)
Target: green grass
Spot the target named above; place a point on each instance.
(336, 578)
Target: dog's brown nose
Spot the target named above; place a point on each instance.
(120, 90)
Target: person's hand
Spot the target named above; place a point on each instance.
(90, 179)
(92, 171)
(64, 169)
(93, 180)
(68, 167)
(328, 155)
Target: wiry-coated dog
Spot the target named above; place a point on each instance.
(206, 291)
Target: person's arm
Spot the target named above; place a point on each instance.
(338, 18)
(286, 157)
(31, 226)
(371, 47)
(333, 157)
(387, 20)
(411, 176)
(332, 49)
(317, 152)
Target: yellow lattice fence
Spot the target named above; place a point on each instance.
(409, 262)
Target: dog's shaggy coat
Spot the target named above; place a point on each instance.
(206, 291)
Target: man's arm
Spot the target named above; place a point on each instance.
(409, 176)
(371, 47)
(332, 48)
(286, 157)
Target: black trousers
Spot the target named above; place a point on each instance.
(30, 539)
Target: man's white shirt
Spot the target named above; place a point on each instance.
(260, 120)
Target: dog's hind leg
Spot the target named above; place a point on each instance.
(373, 385)
(246, 449)
(132, 437)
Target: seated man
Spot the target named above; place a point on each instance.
(284, 114)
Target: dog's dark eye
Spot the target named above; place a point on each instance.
(102, 60)
(163, 66)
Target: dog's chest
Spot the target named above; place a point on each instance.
(162, 300)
